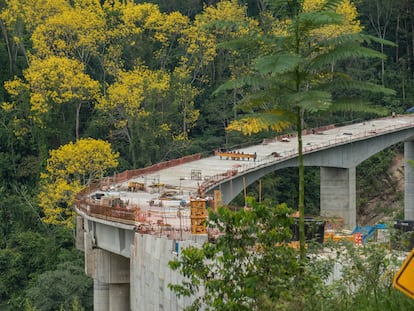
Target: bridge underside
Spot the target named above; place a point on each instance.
(338, 171)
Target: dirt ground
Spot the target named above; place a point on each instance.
(388, 203)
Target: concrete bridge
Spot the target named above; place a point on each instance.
(337, 152)
(127, 248)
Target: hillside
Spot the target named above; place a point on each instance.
(387, 203)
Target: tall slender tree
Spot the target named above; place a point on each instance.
(294, 74)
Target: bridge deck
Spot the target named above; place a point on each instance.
(167, 191)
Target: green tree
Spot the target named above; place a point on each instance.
(55, 81)
(135, 103)
(65, 288)
(366, 282)
(249, 266)
(69, 169)
(293, 75)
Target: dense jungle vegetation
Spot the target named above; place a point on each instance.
(132, 83)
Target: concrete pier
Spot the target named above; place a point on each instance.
(100, 295)
(338, 187)
(111, 275)
(408, 181)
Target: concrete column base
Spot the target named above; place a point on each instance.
(119, 297)
(111, 275)
(100, 296)
(338, 187)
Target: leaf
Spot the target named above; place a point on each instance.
(358, 106)
(359, 38)
(272, 120)
(310, 21)
(348, 84)
(312, 100)
(277, 63)
(331, 5)
(343, 52)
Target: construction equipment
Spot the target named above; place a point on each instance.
(135, 186)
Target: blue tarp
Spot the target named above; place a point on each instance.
(366, 231)
(410, 109)
(381, 226)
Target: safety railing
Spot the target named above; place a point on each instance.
(150, 221)
(286, 155)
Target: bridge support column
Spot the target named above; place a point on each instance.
(80, 233)
(111, 275)
(100, 295)
(408, 181)
(338, 194)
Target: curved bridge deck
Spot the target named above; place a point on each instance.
(161, 202)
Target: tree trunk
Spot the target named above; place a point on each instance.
(7, 42)
(397, 29)
(131, 139)
(301, 203)
(78, 108)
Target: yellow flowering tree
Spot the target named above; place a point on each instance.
(69, 169)
(201, 39)
(20, 19)
(77, 33)
(56, 81)
(346, 9)
(135, 104)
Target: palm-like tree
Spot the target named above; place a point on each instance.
(294, 72)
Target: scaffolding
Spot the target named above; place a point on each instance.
(198, 216)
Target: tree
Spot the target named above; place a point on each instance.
(201, 38)
(141, 34)
(184, 94)
(249, 266)
(75, 33)
(132, 101)
(69, 169)
(20, 18)
(55, 81)
(380, 13)
(293, 74)
(62, 289)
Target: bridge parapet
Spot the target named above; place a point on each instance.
(109, 213)
(281, 153)
(276, 157)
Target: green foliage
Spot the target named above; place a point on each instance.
(62, 288)
(294, 72)
(363, 278)
(281, 187)
(249, 266)
(366, 282)
(372, 176)
(48, 254)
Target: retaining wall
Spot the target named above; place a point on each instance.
(150, 273)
